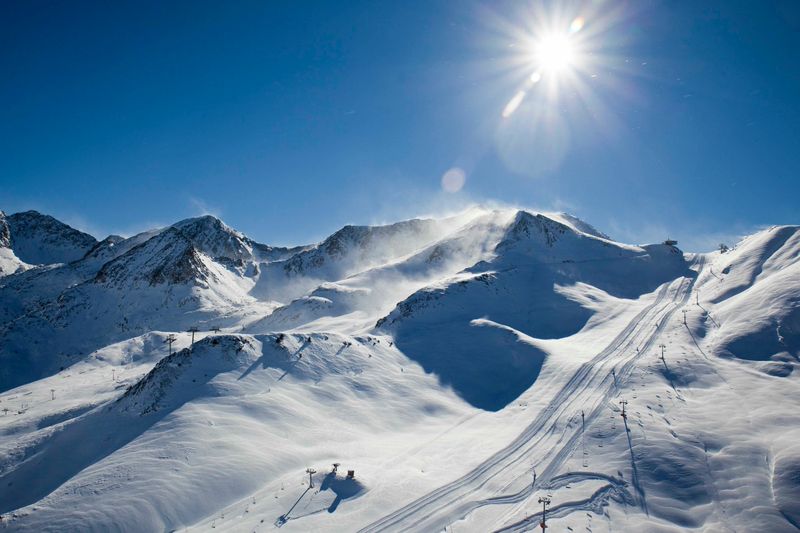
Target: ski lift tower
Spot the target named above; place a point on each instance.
(623, 403)
(192, 330)
(169, 340)
(545, 501)
(310, 472)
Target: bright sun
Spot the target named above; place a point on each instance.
(556, 57)
(554, 53)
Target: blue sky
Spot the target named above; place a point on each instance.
(291, 119)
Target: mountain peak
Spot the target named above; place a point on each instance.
(208, 222)
(526, 225)
(167, 258)
(41, 239)
(216, 239)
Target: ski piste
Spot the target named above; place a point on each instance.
(592, 385)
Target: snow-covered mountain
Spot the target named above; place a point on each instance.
(122, 288)
(41, 239)
(462, 367)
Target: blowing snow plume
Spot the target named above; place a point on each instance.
(475, 330)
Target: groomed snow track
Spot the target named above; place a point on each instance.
(554, 429)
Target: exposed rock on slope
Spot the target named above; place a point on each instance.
(9, 262)
(5, 233)
(169, 257)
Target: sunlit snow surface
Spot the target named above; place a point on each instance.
(445, 362)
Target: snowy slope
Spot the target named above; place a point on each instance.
(463, 368)
(753, 296)
(10, 263)
(578, 224)
(264, 388)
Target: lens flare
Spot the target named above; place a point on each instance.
(513, 104)
(453, 180)
(577, 25)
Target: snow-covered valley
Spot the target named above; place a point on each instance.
(463, 368)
